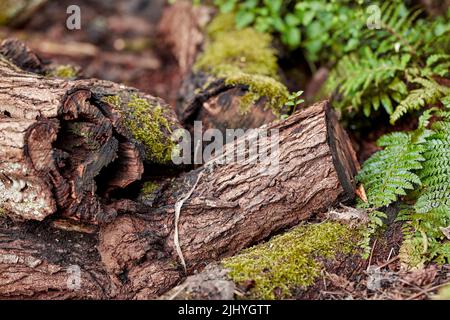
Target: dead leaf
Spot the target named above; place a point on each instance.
(361, 193)
(422, 277)
(446, 232)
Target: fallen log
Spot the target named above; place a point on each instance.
(41, 262)
(202, 216)
(287, 263)
(65, 145)
(228, 207)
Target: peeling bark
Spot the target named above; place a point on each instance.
(233, 206)
(46, 162)
(57, 137)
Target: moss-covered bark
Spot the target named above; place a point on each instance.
(148, 121)
(243, 57)
(292, 259)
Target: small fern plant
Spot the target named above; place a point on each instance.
(399, 67)
(415, 167)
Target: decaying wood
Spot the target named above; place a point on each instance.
(58, 136)
(218, 105)
(212, 283)
(232, 206)
(64, 150)
(41, 262)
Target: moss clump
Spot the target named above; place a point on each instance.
(291, 260)
(221, 23)
(148, 188)
(147, 124)
(114, 100)
(149, 192)
(64, 72)
(243, 57)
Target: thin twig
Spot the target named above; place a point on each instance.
(371, 254)
(390, 253)
(389, 262)
(414, 296)
(182, 287)
(178, 205)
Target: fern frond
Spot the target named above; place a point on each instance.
(428, 93)
(397, 22)
(367, 82)
(435, 174)
(390, 172)
(439, 64)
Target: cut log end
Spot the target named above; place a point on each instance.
(65, 150)
(344, 157)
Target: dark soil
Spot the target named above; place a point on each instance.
(381, 277)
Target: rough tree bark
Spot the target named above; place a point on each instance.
(232, 205)
(38, 261)
(63, 147)
(227, 207)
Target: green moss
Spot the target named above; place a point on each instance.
(148, 193)
(113, 100)
(64, 72)
(260, 86)
(146, 124)
(89, 138)
(9, 9)
(291, 260)
(221, 23)
(243, 57)
(149, 187)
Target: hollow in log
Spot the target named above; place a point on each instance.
(66, 145)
